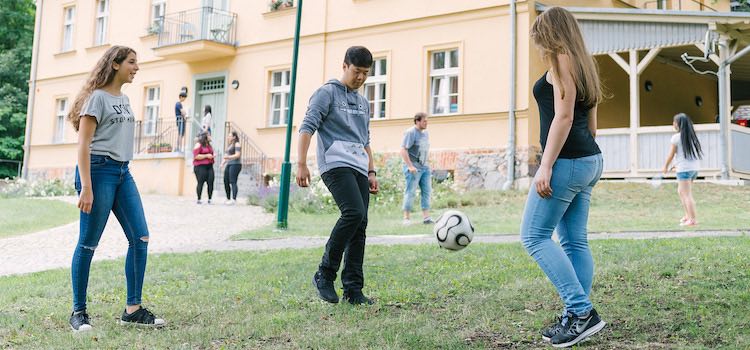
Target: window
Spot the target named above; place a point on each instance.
(102, 14)
(444, 82)
(374, 88)
(279, 98)
(61, 110)
(68, 23)
(151, 116)
(158, 9)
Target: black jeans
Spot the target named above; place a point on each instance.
(204, 173)
(231, 172)
(350, 190)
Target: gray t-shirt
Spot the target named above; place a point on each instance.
(417, 143)
(232, 150)
(115, 125)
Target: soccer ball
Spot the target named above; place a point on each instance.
(453, 230)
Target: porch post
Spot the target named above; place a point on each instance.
(635, 111)
(724, 106)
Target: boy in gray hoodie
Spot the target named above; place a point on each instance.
(341, 117)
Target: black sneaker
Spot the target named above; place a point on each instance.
(79, 321)
(325, 288)
(554, 329)
(142, 317)
(577, 329)
(357, 299)
(428, 220)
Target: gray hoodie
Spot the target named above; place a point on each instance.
(342, 119)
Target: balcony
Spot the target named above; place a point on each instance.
(196, 35)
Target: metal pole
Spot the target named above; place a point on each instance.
(286, 167)
(511, 151)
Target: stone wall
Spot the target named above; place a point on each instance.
(488, 168)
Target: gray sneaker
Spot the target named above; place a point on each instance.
(554, 329)
(79, 321)
(577, 329)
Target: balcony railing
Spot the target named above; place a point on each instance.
(205, 23)
(159, 136)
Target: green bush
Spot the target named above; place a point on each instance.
(11, 188)
(391, 180)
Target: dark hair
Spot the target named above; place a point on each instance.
(359, 56)
(419, 116)
(183, 94)
(691, 146)
(203, 139)
(206, 109)
(235, 137)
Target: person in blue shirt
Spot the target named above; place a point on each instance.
(180, 115)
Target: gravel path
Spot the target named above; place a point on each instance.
(179, 225)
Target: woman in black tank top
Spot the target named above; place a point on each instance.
(567, 96)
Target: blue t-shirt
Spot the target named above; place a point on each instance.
(417, 143)
(178, 109)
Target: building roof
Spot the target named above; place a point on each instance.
(612, 30)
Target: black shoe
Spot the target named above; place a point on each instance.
(325, 288)
(428, 221)
(79, 322)
(357, 299)
(554, 329)
(141, 317)
(577, 329)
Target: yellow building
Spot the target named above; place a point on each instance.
(449, 58)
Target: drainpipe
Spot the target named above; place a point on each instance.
(32, 89)
(511, 151)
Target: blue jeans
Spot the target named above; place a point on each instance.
(423, 178)
(569, 265)
(114, 190)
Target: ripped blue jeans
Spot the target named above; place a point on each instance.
(114, 190)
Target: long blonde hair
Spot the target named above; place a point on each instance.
(102, 75)
(556, 32)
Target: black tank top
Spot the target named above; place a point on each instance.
(580, 142)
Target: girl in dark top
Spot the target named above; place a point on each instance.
(233, 163)
(571, 164)
(104, 121)
(203, 165)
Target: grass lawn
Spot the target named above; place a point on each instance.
(678, 293)
(615, 207)
(15, 218)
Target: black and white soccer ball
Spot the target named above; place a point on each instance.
(453, 230)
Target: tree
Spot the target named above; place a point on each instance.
(16, 36)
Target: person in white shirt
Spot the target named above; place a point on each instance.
(207, 120)
(686, 152)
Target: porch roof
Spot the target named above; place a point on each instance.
(612, 30)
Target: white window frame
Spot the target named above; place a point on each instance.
(101, 22)
(445, 73)
(61, 111)
(158, 11)
(151, 110)
(69, 20)
(280, 92)
(378, 80)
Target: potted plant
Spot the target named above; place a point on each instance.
(159, 147)
(276, 5)
(154, 28)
